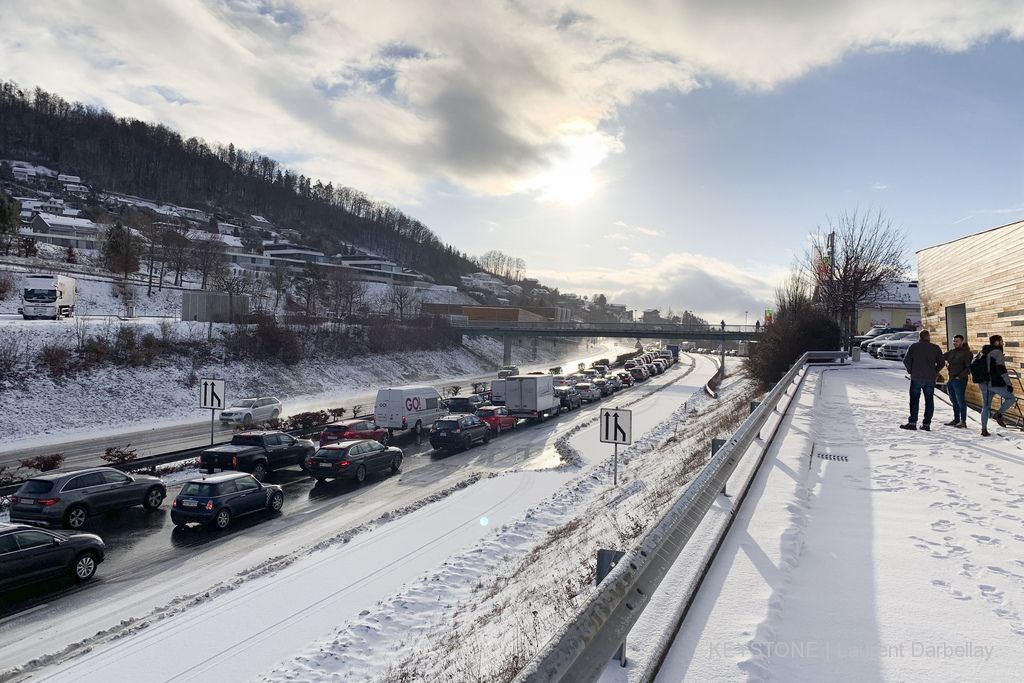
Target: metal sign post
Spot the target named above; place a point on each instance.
(212, 398)
(616, 428)
(606, 561)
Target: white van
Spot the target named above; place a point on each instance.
(498, 392)
(412, 407)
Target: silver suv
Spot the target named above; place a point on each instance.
(69, 498)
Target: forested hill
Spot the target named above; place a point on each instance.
(153, 161)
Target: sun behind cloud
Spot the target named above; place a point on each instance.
(570, 178)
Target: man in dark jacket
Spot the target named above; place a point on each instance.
(998, 383)
(958, 359)
(923, 361)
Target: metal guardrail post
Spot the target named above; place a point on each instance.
(582, 648)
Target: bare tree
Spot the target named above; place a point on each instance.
(402, 299)
(279, 281)
(209, 257)
(853, 262)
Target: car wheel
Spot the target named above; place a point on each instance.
(277, 501)
(154, 497)
(259, 471)
(247, 421)
(467, 443)
(209, 470)
(75, 517)
(386, 439)
(497, 429)
(396, 464)
(487, 436)
(361, 474)
(222, 519)
(84, 566)
(276, 414)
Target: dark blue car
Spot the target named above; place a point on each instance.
(218, 499)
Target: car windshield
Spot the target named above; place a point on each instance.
(246, 440)
(446, 424)
(335, 429)
(460, 404)
(46, 296)
(199, 488)
(36, 486)
(245, 403)
(329, 453)
(485, 412)
(874, 332)
(904, 335)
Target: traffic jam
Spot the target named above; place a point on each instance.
(47, 537)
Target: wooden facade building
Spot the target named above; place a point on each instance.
(974, 286)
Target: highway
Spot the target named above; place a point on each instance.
(152, 566)
(164, 439)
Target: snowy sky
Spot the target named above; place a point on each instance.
(668, 153)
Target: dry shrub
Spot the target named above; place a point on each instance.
(43, 463)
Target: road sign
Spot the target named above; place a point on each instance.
(616, 426)
(211, 394)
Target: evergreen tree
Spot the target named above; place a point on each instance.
(121, 250)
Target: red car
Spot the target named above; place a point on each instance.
(497, 418)
(626, 377)
(639, 374)
(358, 428)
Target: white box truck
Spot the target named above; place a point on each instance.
(411, 407)
(531, 396)
(498, 392)
(47, 296)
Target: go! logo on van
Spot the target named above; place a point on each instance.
(412, 403)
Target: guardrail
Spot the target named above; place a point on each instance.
(582, 648)
(151, 462)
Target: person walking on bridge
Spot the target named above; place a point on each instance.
(923, 361)
(958, 359)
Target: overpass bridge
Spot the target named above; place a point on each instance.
(508, 331)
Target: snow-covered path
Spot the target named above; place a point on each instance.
(867, 553)
(242, 632)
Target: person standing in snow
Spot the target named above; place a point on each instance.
(923, 361)
(998, 383)
(958, 359)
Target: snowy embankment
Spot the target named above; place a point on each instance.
(388, 596)
(865, 552)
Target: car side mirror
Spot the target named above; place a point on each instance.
(55, 542)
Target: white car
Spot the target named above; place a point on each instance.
(896, 349)
(249, 411)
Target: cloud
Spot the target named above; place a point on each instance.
(638, 229)
(879, 186)
(680, 280)
(495, 98)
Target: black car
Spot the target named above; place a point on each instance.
(465, 404)
(353, 460)
(569, 397)
(219, 499)
(28, 554)
(459, 431)
(257, 452)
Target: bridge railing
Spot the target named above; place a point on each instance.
(673, 329)
(580, 650)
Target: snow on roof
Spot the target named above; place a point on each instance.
(68, 221)
(259, 219)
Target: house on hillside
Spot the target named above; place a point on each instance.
(64, 231)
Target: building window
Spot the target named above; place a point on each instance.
(956, 323)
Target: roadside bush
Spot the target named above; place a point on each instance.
(97, 350)
(126, 345)
(799, 326)
(7, 476)
(57, 360)
(307, 420)
(337, 413)
(12, 350)
(357, 410)
(557, 370)
(6, 284)
(43, 463)
(119, 456)
(148, 348)
(621, 359)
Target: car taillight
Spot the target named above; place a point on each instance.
(174, 503)
(14, 499)
(48, 501)
(343, 463)
(209, 505)
(309, 462)
(350, 435)
(234, 461)
(458, 430)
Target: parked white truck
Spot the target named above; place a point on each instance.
(532, 397)
(47, 296)
(498, 392)
(410, 407)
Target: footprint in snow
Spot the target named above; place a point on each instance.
(986, 540)
(953, 592)
(942, 525)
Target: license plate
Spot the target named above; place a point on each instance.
(27, 501)
(323, 464)
(189, 503)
